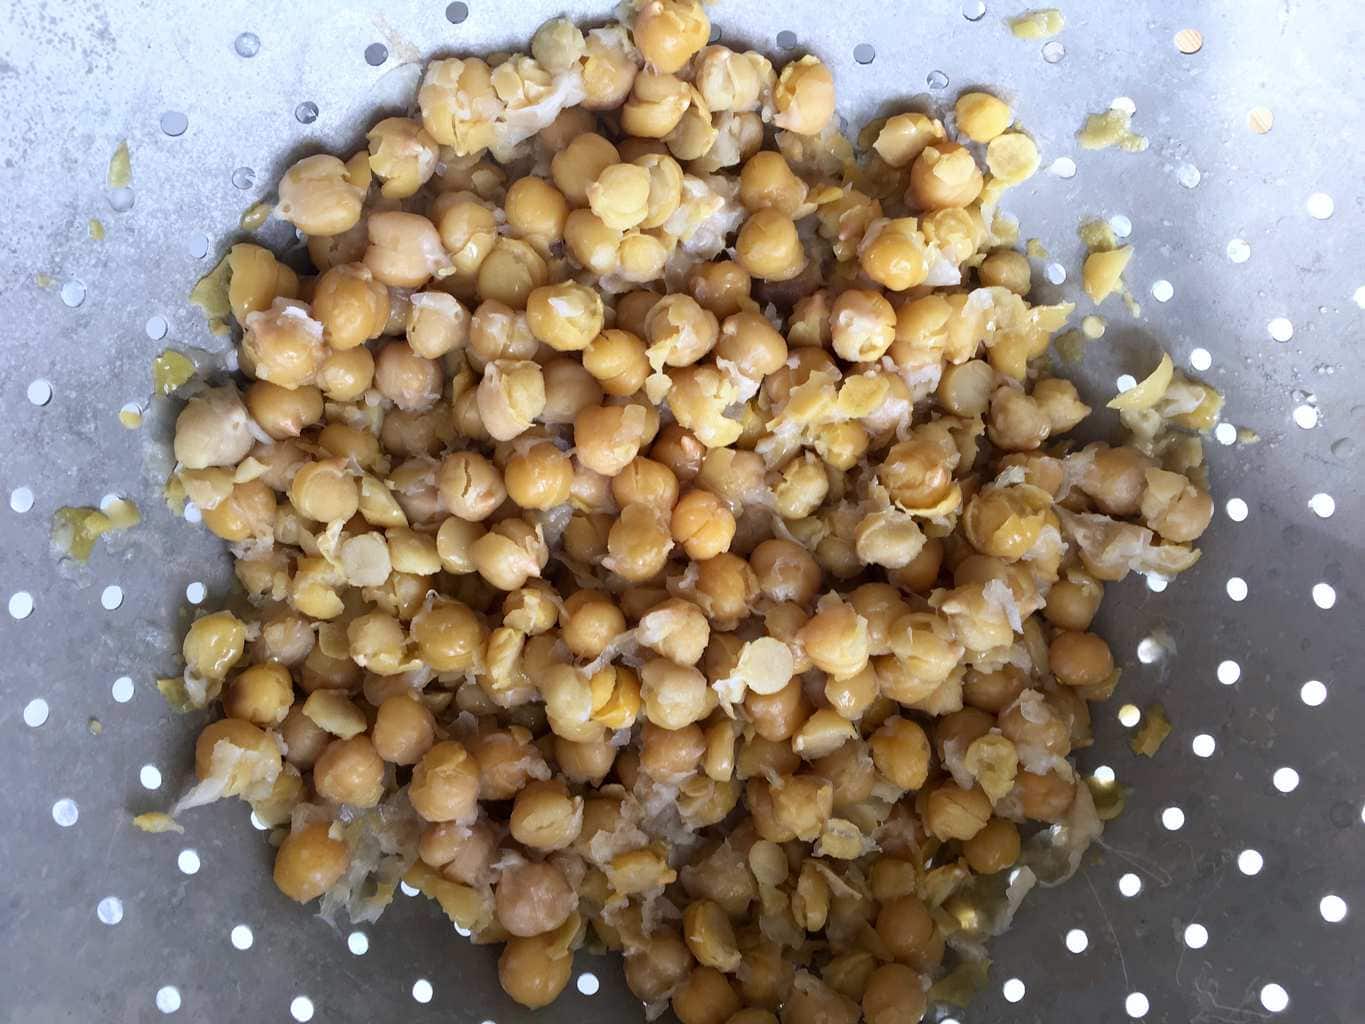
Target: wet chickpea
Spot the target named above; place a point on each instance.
(566, 316)
(725, 588)
(648, 482)
(409, 381)
(777, 716)
(657, 965)
(1017, 423)
(283, 345)
(510, 272)
(436, 324)
(351, 305)
(609, 437)
(994, 848)
(1116, 479)
(965, 389)
(578, 164)
(592, 244)
(893, 253)
(836, 640)
(702, 524)
(345, 376)
(804, 96)
(317, 197)
(445, 784)
(310, 861)
(768, 246)
(404, 729)
(453, 542)
(993, 691)
(261, 695)
(538, 477)
(1044, 797)
(894, 994)
(801, 487)
(705, 996)
(448, 636)
(670, 755)
(656, 105)
(767, 182)
(545, 817)
(904, 136)
(213, 644)
(350, 772)
(589, 622)
(981, 116)
(585, 762)
(952, 812)
(405, 249)
(674, 696)
(248, 511)
(900, 750)
(532, 971)
(1173, 506)
(1080, 659)
(619, 196)
(536, 211)
(532, 898)
(509, 554)
(908, 930)
(467, 228)
(752, 345)
(470, 486)
(862, 325)
(669, 32)
(785, 571)
(1005, 268)
(569, 389)
(679, 450)
(510, 396)
(617, 359)
(721, 287)
(944, 175)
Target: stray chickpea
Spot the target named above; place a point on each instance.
(981, 116)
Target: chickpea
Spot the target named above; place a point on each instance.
(804, 97)
(952, 812)
(533, 898)
(470, 486)
(900, 750)
(261, 695)
(467, 228)
(507, 762)
(944, 175)
(579, 164)
(569, 389)
(545, 817)
(862, 325)
(904, 137)
(533, 971)
(448, 636)
(509, 554)
(680, 331)
(767, 182)
(1005, 268)
(586, 762)
(619, 196)
(994, 848)
(894, 994)
(1080, 659)
(558, 45)
(589, 622)
(656, 105)
(317, 197)
(213, 644)
(1030, 721)
(699, 397)
(464, 853)
(617, 359)
(702, 524)
(445, 784)
(510, 272)
(676, 629)
(657, 965)
(283, 345)
(409, 381)
(609, 437)
(836, 640)
(1044, 797)
(907, 928)
(592, 244)
(893, 253)
(994, 691)
(402, 156)
(671, 755)
(1174, 507)
(669, 32)
(212, 430)
(674, 696)
(350, 772)
(536, 211)
(405, 249)
(436, 324)
(566, 316)
(1017, 423)
(345, 376)
(777, 716)
(510, 396)
(310, 861)
(257, 279)
(539, 477)
(705, 996)
(248, 511)
(324, 492)
(768, 246)
(404, 729)
(785, 571)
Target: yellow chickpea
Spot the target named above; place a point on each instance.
(767, 182)
(436, 324)
(539, 477)
(657, 103)
(404, 729)
(1005, 268)
(893, 254)
(566, 316)
(510, 396)
(510, 272)
(638, 543)
(545, 816)
(257, 279)
(705, 996)
(608, 437)
(577, 166)
(283, 345)
(324, 491)
(862, 325)
(952, 812)
(310, 861)
(616, 358)
(670, 32)
(1080, 659)
(536, 211)
(768, 246)
(470, 486)
(248, 511)
(592, 244)
(467, 228)
(317, 197)
(351, 305)
(981, 116)
(804, 97)
(619, 195)
(904, 137)
(405, 249)
(402, 156)
(445, 784)
(350, 772)
(702, 524)
(994, 848)
(533, 971)
(944, 175)
(261, 695)
(345, 376)
(408, 380)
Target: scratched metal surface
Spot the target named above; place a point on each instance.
(77, 78)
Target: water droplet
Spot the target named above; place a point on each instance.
(109, 910)
(248, 44)
(1343, 447)
(936, 80)
(1188, 175)
(243, 178)
(1053, 51)
(174, 123)
(73, 293)
(306, 112)
(121, 200)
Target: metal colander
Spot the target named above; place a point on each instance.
(1230, 891)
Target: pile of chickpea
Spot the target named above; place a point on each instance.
(663, 516)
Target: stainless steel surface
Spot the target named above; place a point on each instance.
(77, 78)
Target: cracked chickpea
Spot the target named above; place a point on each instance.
(768, 246)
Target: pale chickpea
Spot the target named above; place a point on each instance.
(405, 249)
(509, 554)
(657, 965)
(674, 696)
(565, 316)
(261, 695)
(510, 272)
(464, 853)
(351, 305)
(586, 762)
(619, 196)
(532, 898)
(904, 136)
(317, 196)
(408, 380)
(670, 755)
(578, 164)
(1016, 422)
(510, 395)
(616, 358)
(569, 389)
(804, 96)
(309, 862)
(944, 175)
(283, 345)
(345, 376)
(545, 817)
(777, 716)
(404, 729)
(445, 784)
(470, 486)
(609, 69)
(212, 430)
(767, 182)
(657, 103)
(836, 639)
(768, 246)
(350, 772)
(1116, 479)
(952, 812)
(862, 325)
(702, 524)
(536, 211)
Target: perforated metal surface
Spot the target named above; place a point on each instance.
(75, 79)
